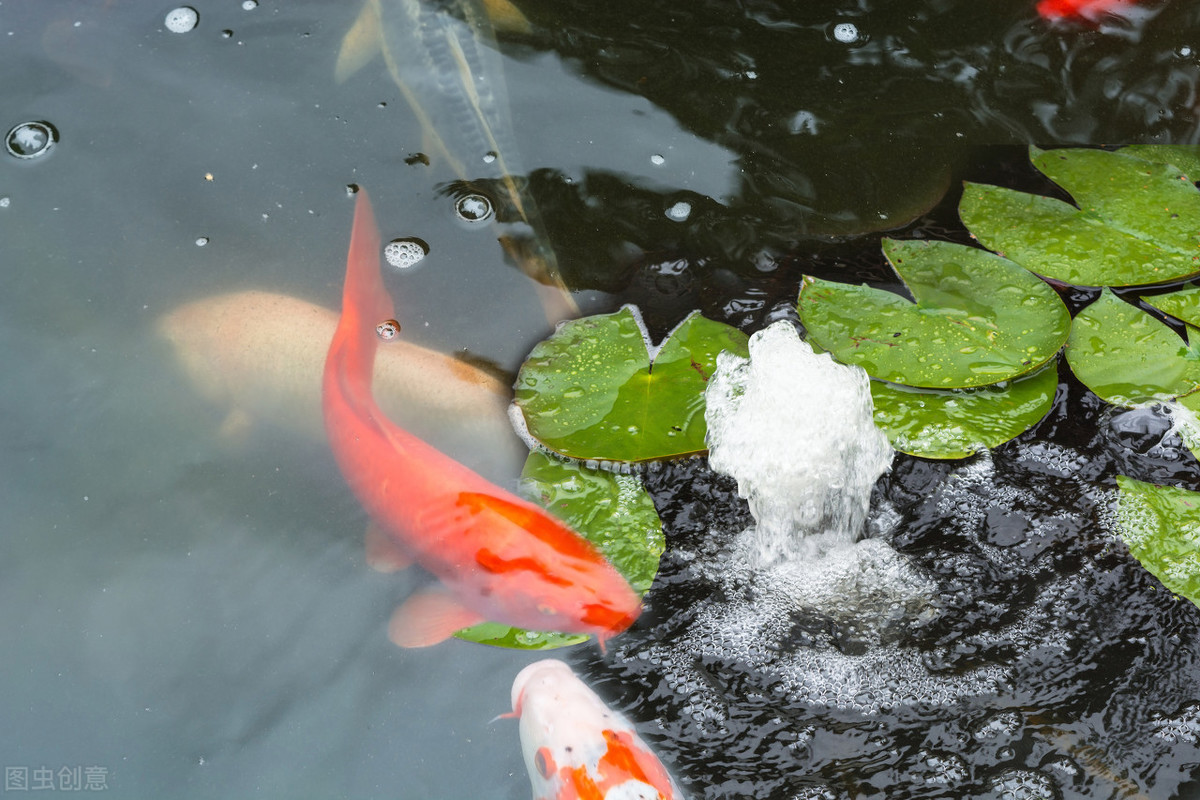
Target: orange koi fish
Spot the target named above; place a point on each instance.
(576, 747)
(1089, 11)
(497, 556)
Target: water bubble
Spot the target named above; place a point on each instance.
(846, 33)
(182, 19)
(249, 5)
(473, 208)
(680, 211)
(490, 157)
(31, 139)
(351, 189)
(405, 253)
(203, 240)
(657, 160)
(227, 34)
(388, 329)
(4, 202)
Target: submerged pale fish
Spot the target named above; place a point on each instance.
(442, 57)
(259, 355)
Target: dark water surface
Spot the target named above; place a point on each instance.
(190, 613)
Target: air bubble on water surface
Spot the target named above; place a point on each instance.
(203, 240)
(473, 208)
(249, 5)
(388, 329)
(31, 139)
(657, 160)
(846, 33)
(182, 19)
(351, 189)
(679, 212)
(5, 202)
(405, 253)
(490, 157)
(1023, 784)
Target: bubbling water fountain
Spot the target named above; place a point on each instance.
(796, 431)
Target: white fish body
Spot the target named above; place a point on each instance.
(576, 747)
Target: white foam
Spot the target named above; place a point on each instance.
(796, 431)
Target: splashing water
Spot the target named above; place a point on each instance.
(796, 431)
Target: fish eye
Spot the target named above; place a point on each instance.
(541, 760)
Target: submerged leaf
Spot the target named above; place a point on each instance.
(978, 318)
(935, 423)
(591, 392)
(1138, 221)
(613, 512)
(1128, 357)
(1161, 526)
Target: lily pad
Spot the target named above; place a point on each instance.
(1138, 222)
(936, 423)
(594, 389)
(613, 512)
(1161, 526)
(1128, 357)
(1184, 156)
(978, 318)
(1183, 304)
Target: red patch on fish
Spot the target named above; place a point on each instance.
(1089, 11)
(501, 558)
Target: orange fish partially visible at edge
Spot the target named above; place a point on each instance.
(1089, 11)
(498, 557)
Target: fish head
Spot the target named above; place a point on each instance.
(542, 575)
(575, 746)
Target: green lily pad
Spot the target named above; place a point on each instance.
(1183, 304)
(1184, 156)
(1128, 358)
(592, 391)
(1161, 526)
(613, 512)
(937, 423)
(979, 319)
(1138, 222)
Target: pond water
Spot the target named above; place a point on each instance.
(187, 608)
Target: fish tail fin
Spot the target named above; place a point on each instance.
(360, 44)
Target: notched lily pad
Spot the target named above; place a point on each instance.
(593, 390)
(1138, 221)
(934, 423)
(1184, 156)
(613, 512)
(978, 318)
(1128, 357)
(1161, 526)
(1183, 305)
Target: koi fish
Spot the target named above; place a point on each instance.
(1090, 11)
(576, 747)
(497, 556)
(449, 71)
(259, 355)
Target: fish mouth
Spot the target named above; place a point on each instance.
(609, 620)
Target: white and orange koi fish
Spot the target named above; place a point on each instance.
(576, 747)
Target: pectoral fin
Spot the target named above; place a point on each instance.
(361, 43)
(505, 17)
(428, 618)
